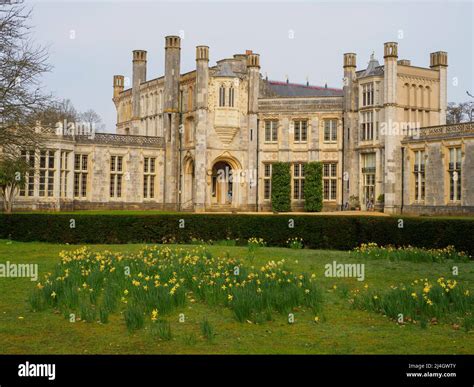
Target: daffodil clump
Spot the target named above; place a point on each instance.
(409, 253)
(256, 242)
(295, 243)
(422, 300)
(253, 244)
(150, 284)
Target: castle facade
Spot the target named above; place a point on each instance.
(206, 141)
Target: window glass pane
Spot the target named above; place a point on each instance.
(51, 159)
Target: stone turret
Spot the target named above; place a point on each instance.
(253, 73)
(138, 77)
(350, 180)
(202, 76)
(349, 77)
(202, 92)
(172, 73)
(439, 62)
(118, 87)
(171, 120)
(392, 185)
(253, 70)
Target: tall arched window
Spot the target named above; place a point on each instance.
(231, 96)
(181, 100)
(222, 96)
(189, 130)
(407, 91)
(190, 98)
(414, 100)
(420, 98)
(160, 101)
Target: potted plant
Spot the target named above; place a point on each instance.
(354, 203)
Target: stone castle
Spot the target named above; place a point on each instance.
(206, 141)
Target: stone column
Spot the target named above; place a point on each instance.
(171, 120)
(202, 92)
(253, 71)
(138, 77)
(392, 183)
(439, 62)
(351, 171)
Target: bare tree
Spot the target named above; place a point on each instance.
(455, 113)
(92, 119)
(22, 63)
(57, 111)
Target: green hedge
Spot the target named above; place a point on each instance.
(281, 187)
(326, 232)
(313, 186)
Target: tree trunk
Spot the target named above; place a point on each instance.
(10, 199)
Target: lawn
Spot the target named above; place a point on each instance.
(341, 328)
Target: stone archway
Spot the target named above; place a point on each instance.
(188, 183)
(225, 183)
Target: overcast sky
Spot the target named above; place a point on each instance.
(90, 41)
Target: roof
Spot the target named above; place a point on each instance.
(225, 70)
(285, 89)
(373, 68)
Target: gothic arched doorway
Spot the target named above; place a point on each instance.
(222, 186)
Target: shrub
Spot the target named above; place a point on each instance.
(281, 187)
(318, 232)
(295, 243)
(313, 186)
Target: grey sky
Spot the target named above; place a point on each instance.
(107, 31)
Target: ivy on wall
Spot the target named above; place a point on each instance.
(281, 187)
(313, 186)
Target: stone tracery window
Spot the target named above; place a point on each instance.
(301, 131)
(149, 177)
(222, 95)
(116, 176)
(454, 170)
(271, 130)
(80, 175)
(419, 175)
(231, 96)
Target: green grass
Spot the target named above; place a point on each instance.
(341, 328)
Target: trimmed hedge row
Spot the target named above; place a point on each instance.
(321, 232)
